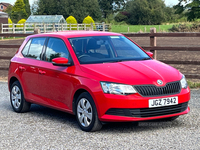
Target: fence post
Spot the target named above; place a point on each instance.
(62, 27)
(153, 42)
(104, 27)
(44, 27)
(92, 28)
(128, 30)
(53, 27)
(13, 28)
(84, 26)
(24, 27)
(34, 26)
(1, 29)
(77, 26)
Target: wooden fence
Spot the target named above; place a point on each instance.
(153, 48)
(51, 27)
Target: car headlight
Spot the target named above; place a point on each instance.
(184, 82)
(115, 88)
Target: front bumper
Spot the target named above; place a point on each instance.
(120, 108)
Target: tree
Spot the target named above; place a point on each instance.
(27, 7)
(8, 10)
(120, 17)
(146, 12)
(18, 11)
(77, 8)
(190, 8)
(110, 6)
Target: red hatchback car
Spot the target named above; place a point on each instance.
(97, 76)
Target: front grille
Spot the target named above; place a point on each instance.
(152, 90)
(148, 112)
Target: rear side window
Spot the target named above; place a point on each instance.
(26, 48)
(36, 47)
(56, 48)
(33, 48)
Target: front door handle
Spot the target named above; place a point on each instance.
(22, 68)
(42, 72)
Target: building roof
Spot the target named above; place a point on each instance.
(3, 15)
(5, 4)
(46, 19)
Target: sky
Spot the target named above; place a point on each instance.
(167, 2)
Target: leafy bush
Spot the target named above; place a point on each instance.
(10, 22)
(71, 20)
(22, 21)
(186, 28)
(88, 20)
(120, 17)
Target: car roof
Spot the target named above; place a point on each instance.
(72, 34)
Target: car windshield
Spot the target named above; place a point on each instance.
(105, 49)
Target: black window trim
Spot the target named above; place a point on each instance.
(45, 48)
(30, 45)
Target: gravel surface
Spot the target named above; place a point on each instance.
(44, 128)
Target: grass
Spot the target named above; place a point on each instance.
(140, 28)
(193, 84)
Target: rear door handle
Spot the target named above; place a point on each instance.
(22, 68)
(42, 72)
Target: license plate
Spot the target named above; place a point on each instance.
(163, 102)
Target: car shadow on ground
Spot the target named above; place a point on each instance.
(70, 120)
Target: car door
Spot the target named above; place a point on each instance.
(57, 80)
(28, 67)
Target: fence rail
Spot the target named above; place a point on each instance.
(153, 48)
(47, 27)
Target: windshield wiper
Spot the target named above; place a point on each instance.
(112, 61)
(147, 58)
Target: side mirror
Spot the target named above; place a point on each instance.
(150, 54)
(61, 61)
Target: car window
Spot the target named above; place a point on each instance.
(56, 48)
(36, 47)
(103, 49)
(125, 48)
(26, 48)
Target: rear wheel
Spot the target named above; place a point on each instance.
(86, 113)
(18, 103)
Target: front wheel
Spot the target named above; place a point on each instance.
(86, 113)
(18, 103)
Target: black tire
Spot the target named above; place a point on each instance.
(86, 113)
(18, 103)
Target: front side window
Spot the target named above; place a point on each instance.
(56, 48)
(1, 7)
(103, 49)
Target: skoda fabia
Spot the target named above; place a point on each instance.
(97, 76)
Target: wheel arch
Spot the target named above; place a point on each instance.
(12, 80)
(76, 95)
